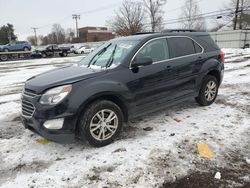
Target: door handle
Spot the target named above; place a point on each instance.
(168, 68)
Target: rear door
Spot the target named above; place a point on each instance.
(56, 49)
(17, 46)
(49, 50)
(185, 56)
(13, 46)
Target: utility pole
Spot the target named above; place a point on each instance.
(35, 28)
(236, 14)
(241, 14)
(76, 17)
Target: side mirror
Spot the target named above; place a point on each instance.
(143, 61)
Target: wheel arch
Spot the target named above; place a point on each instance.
(216, 74)
(118, 100)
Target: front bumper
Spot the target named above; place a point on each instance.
(43, 113)
(64, 135)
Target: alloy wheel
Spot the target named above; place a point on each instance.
(104, 124)
(210, 91)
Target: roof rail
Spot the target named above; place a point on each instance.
(142, 33)
(178, 30)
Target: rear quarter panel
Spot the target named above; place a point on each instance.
(209, 63)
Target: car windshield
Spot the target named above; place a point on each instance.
(110, 54)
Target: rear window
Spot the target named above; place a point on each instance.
(207, 42)
(182, 46)
(197, 48)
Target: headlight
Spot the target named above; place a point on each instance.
(55, 95)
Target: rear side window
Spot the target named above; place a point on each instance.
(207, 42)
(156, 49)
(182, 46)
(55, 47)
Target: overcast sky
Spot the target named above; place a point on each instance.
(24, 14)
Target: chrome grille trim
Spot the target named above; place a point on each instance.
(29, 93)
(28, 109)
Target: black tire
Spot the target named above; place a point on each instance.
(4, 57)
(44, 55)
(89, 114)
(82, 52)
(26, 49)
(65, 54)
(203, 98)
(6, 50)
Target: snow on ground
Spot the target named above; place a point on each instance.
(165, 156)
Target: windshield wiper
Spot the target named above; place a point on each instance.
(99, 53)
(111, 59)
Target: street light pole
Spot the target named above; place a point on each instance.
(76, 17)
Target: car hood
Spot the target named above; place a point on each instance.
(60, 76)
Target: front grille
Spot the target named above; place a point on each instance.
(28, 109)
(29, 93)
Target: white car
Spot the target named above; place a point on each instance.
(84, 50)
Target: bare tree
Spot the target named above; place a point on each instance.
(238, 14)
(58, 34)
(128, 20)
(43, 40)
(155, 13)
(70, 33)
(32, 40)
(191, 16)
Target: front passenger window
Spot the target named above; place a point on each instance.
(157, 50)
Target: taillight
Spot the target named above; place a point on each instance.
(222, 56)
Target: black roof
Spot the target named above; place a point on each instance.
(150, 35)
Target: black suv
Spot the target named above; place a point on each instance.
(124, 78)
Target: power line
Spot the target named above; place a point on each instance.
(204, 14)
(177, 8)
(84, 12)
(81, 13)
(207, 15)
(99, 9)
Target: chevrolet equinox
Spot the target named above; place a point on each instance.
(124, 78)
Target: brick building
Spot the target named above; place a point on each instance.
(94, 34)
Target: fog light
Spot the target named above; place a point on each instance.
(54, 124)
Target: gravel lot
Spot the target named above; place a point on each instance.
(156, 150)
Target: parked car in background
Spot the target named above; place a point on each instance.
(122, 79)
(84, 50)
(16, 46)
(50, 51)
(73, 49)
